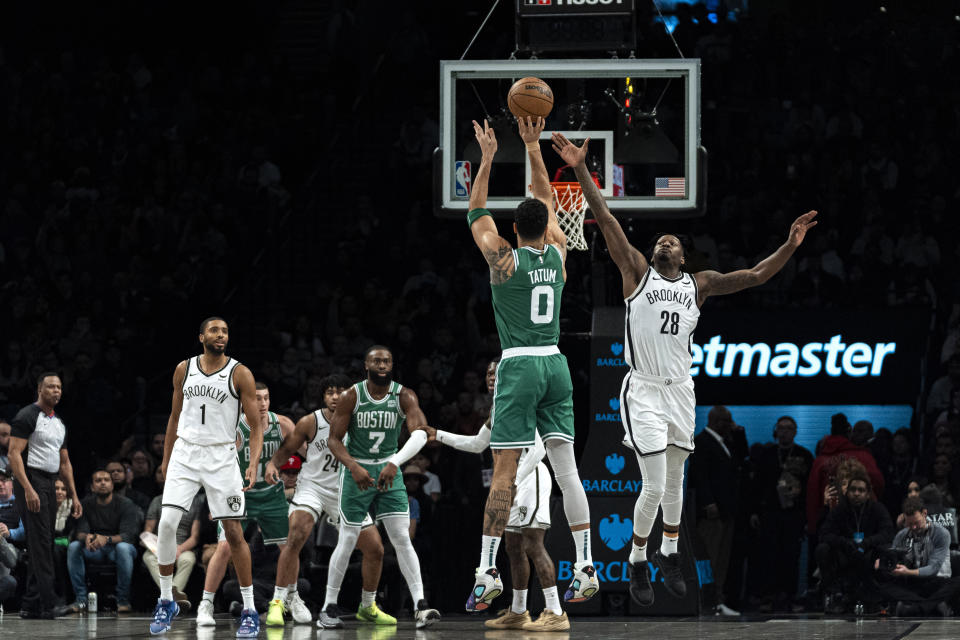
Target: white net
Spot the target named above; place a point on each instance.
(571, 207)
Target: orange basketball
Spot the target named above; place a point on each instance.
(530, 97)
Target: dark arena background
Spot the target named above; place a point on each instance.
(302, 169)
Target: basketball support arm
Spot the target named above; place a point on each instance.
(413, 445)
(479, 442)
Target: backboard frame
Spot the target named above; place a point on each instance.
(686, 69)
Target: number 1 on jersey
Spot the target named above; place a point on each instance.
(203, 414)
(541, 304)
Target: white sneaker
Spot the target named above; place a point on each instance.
(299, 610)
(488, 586)
(205, 614)
(583, 586)
(724, 610)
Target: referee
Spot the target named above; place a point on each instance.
(38, 453)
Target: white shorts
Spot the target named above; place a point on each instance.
(310, 498)
(531, 507)
(213, 467)
(657, 413)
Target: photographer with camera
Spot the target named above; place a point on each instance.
(916, 570)
(850, 540)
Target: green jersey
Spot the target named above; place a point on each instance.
(272, 439)
(527, 306)
(374, 429)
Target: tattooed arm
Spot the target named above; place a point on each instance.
(496, 251)
(712, 283)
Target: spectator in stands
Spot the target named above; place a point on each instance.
(899, 470)
(832, 450)
(118, 474)
(156, 447)
(8, 562)
(862, 433)
(431, 484)
(188, 537)
(716, 468)
(918, 574)
(414, 480)
(289, 472)
(4, 443)
(941, 474)
(107, 532)
(63, 529)
(940, 392)
(850, 538)
(782, 469)
(143, 472)
(11, 526)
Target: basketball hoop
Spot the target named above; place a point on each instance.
(571, 207)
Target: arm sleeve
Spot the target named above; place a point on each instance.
(532, 459)
(939, 555)
(470, 444)
(414, 443)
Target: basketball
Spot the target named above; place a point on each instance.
(530, 97)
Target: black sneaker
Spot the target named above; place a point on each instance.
(672, 575)
(640, 588)
(425, 615)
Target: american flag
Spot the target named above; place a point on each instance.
(669, 187)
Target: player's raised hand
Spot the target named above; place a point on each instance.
(387, 475)
(250, 475)
(362, 477)
(531, 128)
(271, 474)
(800, 226)
(486, 138)
(571, 153)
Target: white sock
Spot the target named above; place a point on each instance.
(581, 542)
(367, 598)
(669, 545)
(519, 601)
(488, 552)
(638, 553)
(333, 594)
(166, 587)
(208, 596)
(280, 593)
(553, 600)
(247, 594)
(291, 592)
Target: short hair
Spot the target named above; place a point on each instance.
(681, 238)
(334, 381)
(839, 425)
(860, 476)
(102, 469)
(531, 218)
(376, 347)
(913, 505)
(46, 374)
(788, 418)
(261, 386)
(203, 325)
(494, 360)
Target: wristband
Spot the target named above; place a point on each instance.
(475, 214)
(533, 146)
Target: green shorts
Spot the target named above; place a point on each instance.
(269, 509)
(355, 504)
(533, 393)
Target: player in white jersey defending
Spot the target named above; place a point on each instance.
(528, 523)
(265, 504)
(657, 400)
(200, 451)
(317, 494)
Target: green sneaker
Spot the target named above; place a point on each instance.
(374, 615)
(275, 613)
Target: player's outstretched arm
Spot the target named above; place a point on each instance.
(713, 283)
(296, 440)
(470, 444)
(631, 262)
(530, 131)
(417, 425)
(496, 251)
(338, 431)
(247, 388)
(176, 406)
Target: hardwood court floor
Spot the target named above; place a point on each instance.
(460, 627)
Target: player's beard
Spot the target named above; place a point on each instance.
(214, 349)
(379, 380)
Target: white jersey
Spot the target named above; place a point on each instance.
(211, 405)
(321, 467)
(661, 317)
